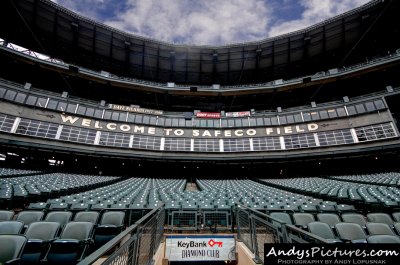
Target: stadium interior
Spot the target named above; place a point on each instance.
(113, 145)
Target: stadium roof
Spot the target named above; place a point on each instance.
(46, 27)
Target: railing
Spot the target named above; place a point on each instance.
(255, 228)
(201, 220)
(136, 245)
(271, 84)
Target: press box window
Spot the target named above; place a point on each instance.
(351, 110)
(107, 115)
(379, 104)
(10, 95)
(31, 100)
(81, 110)
(122, 116)
(71, 108)
(98, 113)
(52, 104)
(360, 108)
(21, 98)
(42, 102)
(146, 119)
(90, 112)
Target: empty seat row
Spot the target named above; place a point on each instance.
(302, 219)
(342, 190)
(352, 232)
(71, 235)
(40, 242)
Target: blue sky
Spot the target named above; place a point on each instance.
(209, 22)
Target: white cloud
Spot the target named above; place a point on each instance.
(314, 11)
(210, 21)
(191, 21)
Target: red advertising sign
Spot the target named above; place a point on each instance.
(212, 115)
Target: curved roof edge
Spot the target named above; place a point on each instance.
(132, 35)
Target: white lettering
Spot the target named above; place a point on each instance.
(70, 119)
(227, 133)
(151, 130)
(312, 126)
(179, 132)
(251, 132)
(287, 129)
(167, 131)
(206, 133)
(217, 133)
(111, 126)
(298, 129)
(86, 122)
(97, 125)
(195, 133)
(238, 132)
(125, 127)
(138, 129)
(269, 131)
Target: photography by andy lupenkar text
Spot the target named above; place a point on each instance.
(350, 254)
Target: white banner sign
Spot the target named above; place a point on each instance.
(200, 248)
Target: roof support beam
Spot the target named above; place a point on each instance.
(229, 65)
(127, 55)
(94, 44)
(110, 60)
(143, 54)
(158, 62)
(172, 65)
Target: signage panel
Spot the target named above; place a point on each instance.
(211, 115)
(237, 114)
(135, 109)
(200, 248)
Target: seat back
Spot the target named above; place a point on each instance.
(11, 247)
(321, 229)
(6, 215)
(354, 218)
(302, 219)
(28, 217)
(284, 217)
(380, 218)
(113, 218)
(58, 216)
(350, 231)
(77, 230)
(87, 217)
(11, 227)
(379, 229)
(42, 230)
(328, 218)
(396, 216)
(383, 239)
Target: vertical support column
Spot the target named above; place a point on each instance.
(47, 103)
(59, 130)
(131, 141)
(345, 109)
(191, 145)
(394, 129)
(15, 125)
(162, 144)
(97, 138)
(282, 141)
(221, 145)
(354, 135)
(316, 139)
(251, 144)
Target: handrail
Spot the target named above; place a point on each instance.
(113, 242)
